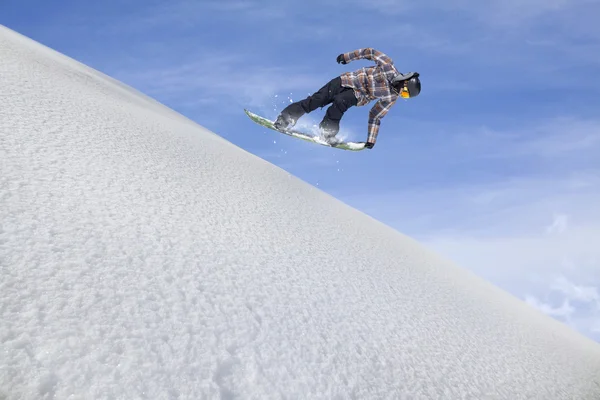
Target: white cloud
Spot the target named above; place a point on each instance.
(219, 79)
(189, 13)
(559, 136)
(585, 294)
(539, 41)
(559, 225)
(546, 139)
(564, 311)
(580, 306)
(497, 13)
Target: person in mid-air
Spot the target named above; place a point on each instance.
(381, 82)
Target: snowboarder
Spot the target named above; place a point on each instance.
(382, 82)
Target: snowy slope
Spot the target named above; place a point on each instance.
(143, 256)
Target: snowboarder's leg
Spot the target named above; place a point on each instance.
(320, 98)
(330, 125)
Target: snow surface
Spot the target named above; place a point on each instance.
(144, 257)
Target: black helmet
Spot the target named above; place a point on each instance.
(411, 79)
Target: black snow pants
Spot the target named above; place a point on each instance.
(341, 98)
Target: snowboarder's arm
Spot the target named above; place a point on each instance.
(379, 110)
(368, 53)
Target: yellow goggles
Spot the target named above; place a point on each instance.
(404, 93)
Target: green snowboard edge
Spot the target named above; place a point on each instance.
(352, 146)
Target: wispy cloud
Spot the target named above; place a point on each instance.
(580, 306)
(176, 15)
(563, 311)
(499, 14)
(580, 293)
(496, 42)
(218, 79)
(547, 139)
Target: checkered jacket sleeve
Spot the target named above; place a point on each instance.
(379, 110)
(368, 53)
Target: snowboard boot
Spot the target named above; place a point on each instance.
(329, 129)
(284, 121)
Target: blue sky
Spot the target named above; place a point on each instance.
(495, 165)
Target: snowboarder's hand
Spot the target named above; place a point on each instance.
(340, 59)
(369, 145)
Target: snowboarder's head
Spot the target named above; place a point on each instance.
(407, 85)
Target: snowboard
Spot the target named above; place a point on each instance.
(352, 146)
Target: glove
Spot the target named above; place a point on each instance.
(369, 145)
(340, 59)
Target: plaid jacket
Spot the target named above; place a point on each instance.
(371, 83)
